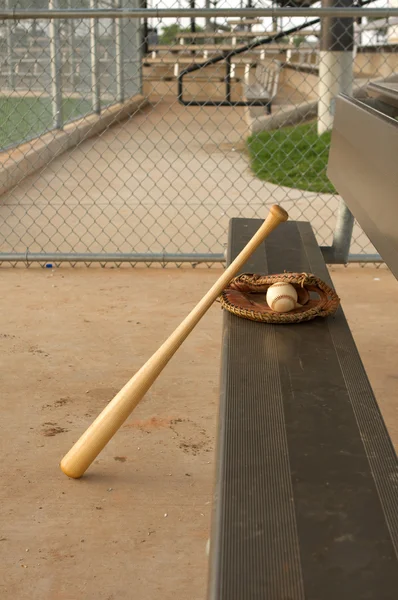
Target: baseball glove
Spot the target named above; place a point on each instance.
(245, 297)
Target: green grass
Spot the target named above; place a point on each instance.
(294, 157)
(24, 118)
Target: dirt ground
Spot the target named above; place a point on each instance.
(136, 525)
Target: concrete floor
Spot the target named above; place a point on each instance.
(167, 180)
(136, 525)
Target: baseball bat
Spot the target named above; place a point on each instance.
(94, 439)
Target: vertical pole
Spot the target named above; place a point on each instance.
(144, 45)
(56, 66)
(215, 25)
(193, 24)
(249, 5)
(358, 37)
(246, 77)
(392, 30)
(274, 20)
(228, 78)
(119, 56)
(34, 28)
(95, 83)
(72, 48)
(336, 77)
(207, 20)
(342, 234)
(139, 45)
(289, 51)
(10, 62)
(335, 62)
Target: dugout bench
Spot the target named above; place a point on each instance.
(265, 87)
(306, 497)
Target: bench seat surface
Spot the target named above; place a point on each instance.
(306, 495)
(255, 91)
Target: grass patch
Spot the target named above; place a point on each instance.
(294, 157)
(24, 118)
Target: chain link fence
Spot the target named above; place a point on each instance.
(137, 139)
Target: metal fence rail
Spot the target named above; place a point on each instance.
(228, 12)
(102, 162)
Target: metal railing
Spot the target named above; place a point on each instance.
(163, 13)
(227, 56)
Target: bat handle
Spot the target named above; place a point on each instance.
(276, 216)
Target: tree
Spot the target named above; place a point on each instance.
(298, 40)
(170, 34)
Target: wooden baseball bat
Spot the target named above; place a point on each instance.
(94, 439)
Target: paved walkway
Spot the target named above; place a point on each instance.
(169, 179)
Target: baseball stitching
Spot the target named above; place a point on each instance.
(280, 297)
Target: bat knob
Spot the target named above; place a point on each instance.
(279, 213)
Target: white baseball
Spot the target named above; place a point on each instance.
(281, 297)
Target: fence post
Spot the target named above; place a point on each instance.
(95, 83)
(336, 62)
(336, 76)
(72, 48)
(342, 234)
(228, 78)
(56, 67)
(10, 62)
(392, 30)
(119, 56)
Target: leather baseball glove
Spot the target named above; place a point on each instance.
(245, 297)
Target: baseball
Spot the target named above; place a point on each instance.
(281, 297)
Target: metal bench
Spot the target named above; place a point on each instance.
(265, 87)
(306, 495)
(365, 147)
(234, 36)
